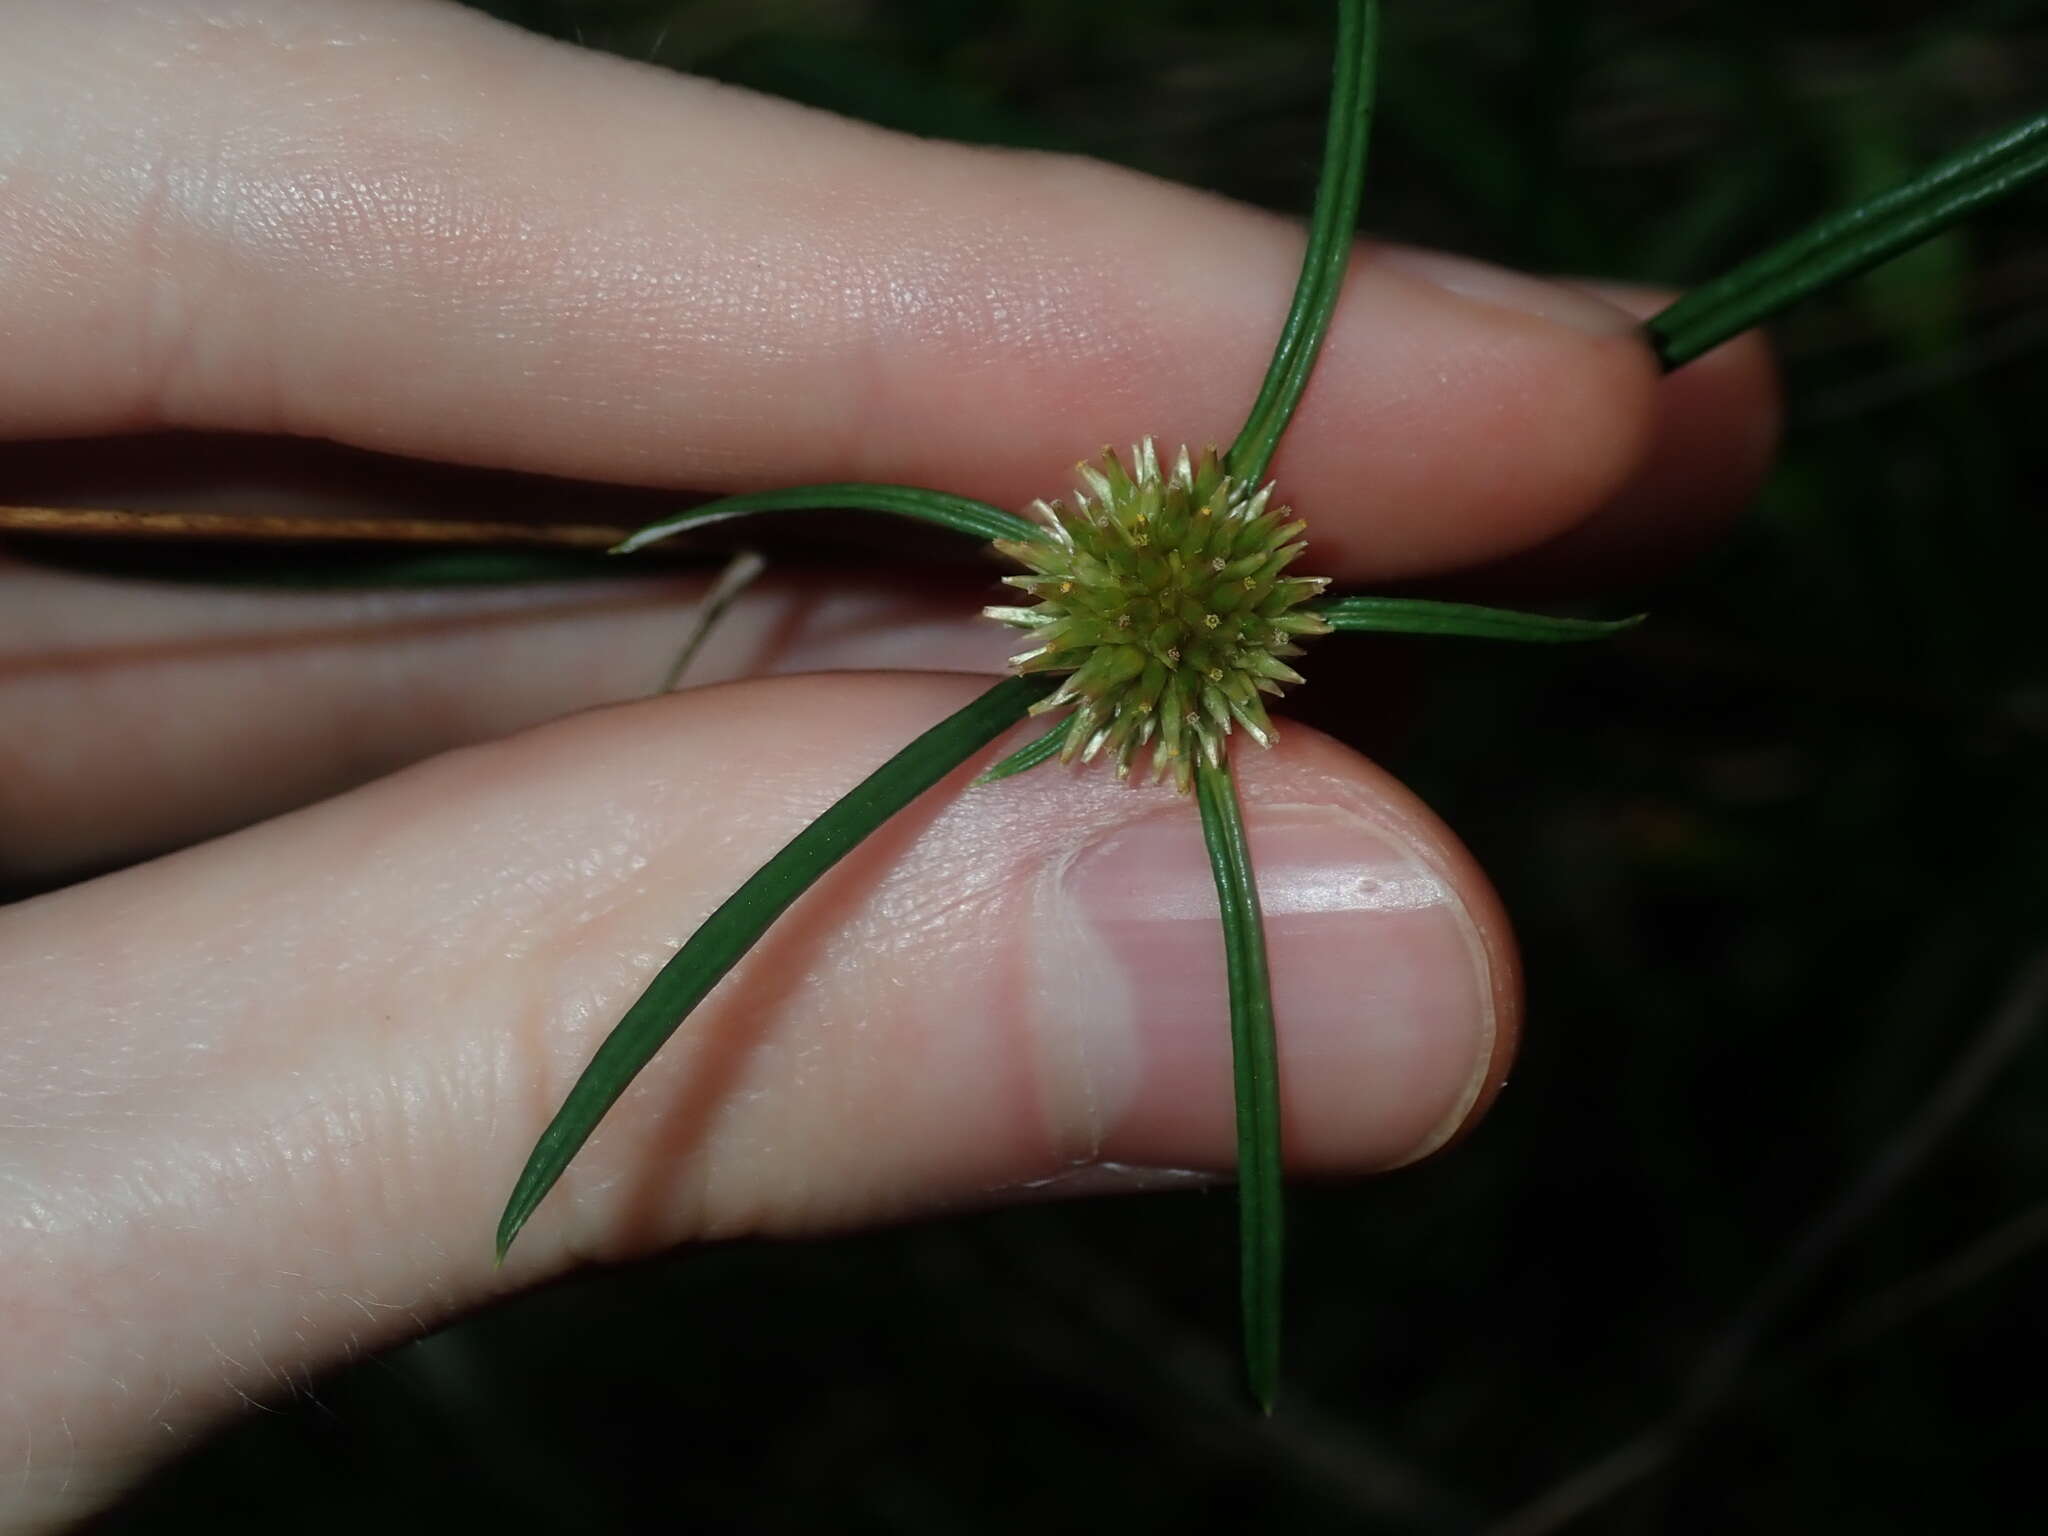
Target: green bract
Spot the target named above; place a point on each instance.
(1164, 599)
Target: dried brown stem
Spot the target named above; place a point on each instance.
(262, 528)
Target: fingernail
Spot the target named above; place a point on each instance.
(1383, 998)
(1507, 289)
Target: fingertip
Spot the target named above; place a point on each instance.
(1721, 415)
(1395, 984)
(1713, 438)
(1463, 413)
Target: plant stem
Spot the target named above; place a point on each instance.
(279, 528)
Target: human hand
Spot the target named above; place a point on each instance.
(262, 1099)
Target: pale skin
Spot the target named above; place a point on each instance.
(262, 1098)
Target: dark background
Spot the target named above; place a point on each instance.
(1754, 1242)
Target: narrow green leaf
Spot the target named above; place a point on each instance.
(1028, 756)
(735, 927)
(1255, 1063)
(1851, 241)
(1329, 242)
(1415, 616)
(977, 519)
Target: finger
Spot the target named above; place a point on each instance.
(137, 716)
(265, 1098)
(1711, 448)
(454, 240)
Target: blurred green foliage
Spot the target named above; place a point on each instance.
(1776, 859)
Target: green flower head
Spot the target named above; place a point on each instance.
(1165, 600)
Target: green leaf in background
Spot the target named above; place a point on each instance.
(738, 924)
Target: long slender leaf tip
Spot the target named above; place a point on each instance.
(738, 924)
(1040, 749)
(958, 514)
(1420, 616)
(1255, 1068)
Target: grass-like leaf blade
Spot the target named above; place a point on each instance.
(734, 928)
(962, 514)
(1417, 616)
(1846, 243)
(1255, 1064)
(1323, 264)
(1028, 756)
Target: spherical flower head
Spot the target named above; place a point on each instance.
(1164, 599)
